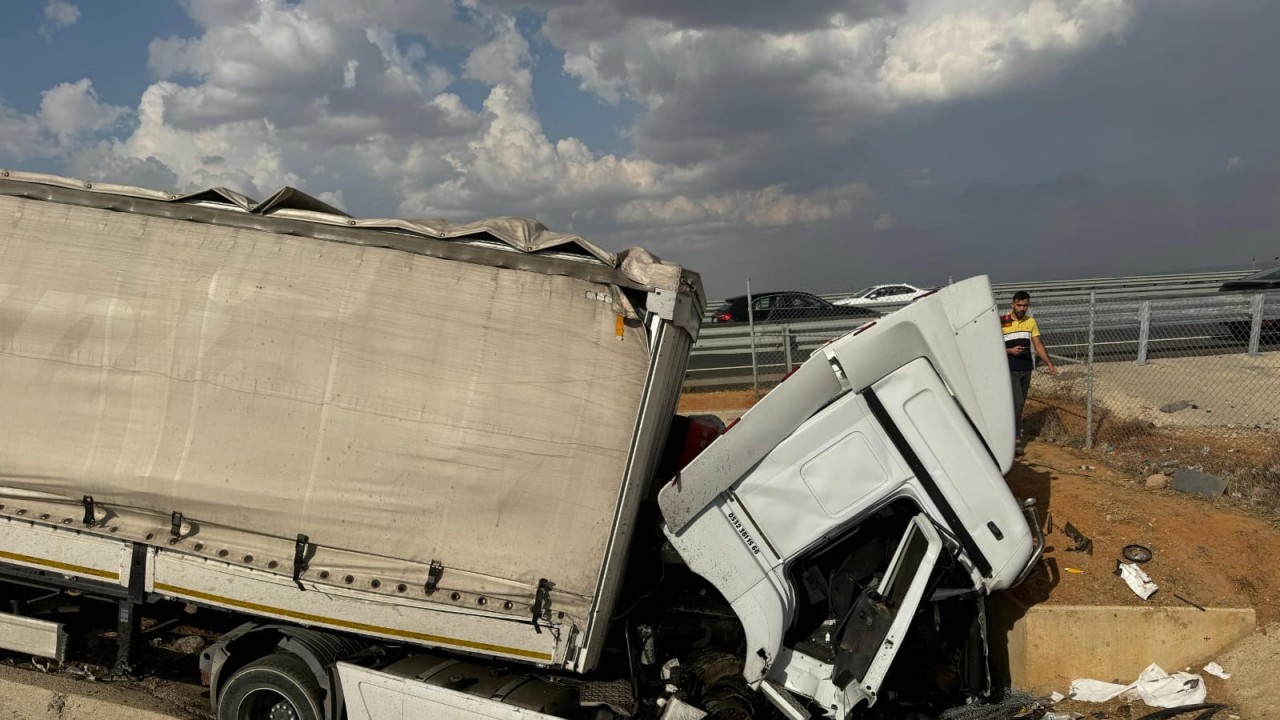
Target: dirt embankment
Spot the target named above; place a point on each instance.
(1207, 552)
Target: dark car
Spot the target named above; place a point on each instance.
(785, 307)
(1264, 280)
(1258, 282)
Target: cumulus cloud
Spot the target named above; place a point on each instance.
(58, 14)
(69, 117)
(22, 137)
(373, 104)
(71, 110)
(720, 85)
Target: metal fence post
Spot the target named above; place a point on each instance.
(1255, 326)
(751, 331)
(1088, 396)
(786, 345)
(1144, 330)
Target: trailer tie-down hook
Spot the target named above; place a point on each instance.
(300, 559)
(541, 601)
(434, 573)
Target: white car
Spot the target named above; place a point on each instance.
(877, 294)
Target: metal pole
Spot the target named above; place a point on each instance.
(1088, 395)
(751, 329)
(786, 345)
(1144, 331)
(1255, 327)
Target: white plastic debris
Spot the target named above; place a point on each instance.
(1062, 716)
(1158, 688)
(1154, 686)
(1095, 690)
(1216, 670)
(1137, 580)
(1057, 697)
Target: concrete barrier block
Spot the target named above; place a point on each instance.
(1044, 647)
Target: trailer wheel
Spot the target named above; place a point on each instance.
(277, 687)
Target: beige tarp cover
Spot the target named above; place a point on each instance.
(397, 406)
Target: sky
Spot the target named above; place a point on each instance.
(818, 145)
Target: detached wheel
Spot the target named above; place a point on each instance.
(277, 687)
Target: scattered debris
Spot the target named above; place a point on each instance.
(1087, 468)
(86, 671)
(1198, 483)
(1192, 604)
(1154, 686)
(1074, 571)
(1210, 709)
(1013, 704)
(1136, 553)
(1158, 481)
(1137, 580)
(1217, 671)
(188, 645)
(1174, 407)
(1083, 544)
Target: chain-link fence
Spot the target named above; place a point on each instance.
(1128, 365)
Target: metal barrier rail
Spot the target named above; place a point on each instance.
(1133, 328)
(1134, 287)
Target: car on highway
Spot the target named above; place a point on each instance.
(877, 294)
(1262, 281)
(785, 307)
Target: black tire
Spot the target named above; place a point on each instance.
(277, 687)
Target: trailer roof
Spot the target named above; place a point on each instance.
(504, 241)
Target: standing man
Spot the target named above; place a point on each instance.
(1021, 334)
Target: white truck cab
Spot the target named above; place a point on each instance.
(898, 431)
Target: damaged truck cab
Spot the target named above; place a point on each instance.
(890, 442)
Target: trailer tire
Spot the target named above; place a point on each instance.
(276, 687)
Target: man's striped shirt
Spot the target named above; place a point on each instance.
(1018, 333)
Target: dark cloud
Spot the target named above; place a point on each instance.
(1157, 154)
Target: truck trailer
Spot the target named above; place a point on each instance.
(436, 470)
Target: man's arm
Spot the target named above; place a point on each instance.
(1044, 354)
